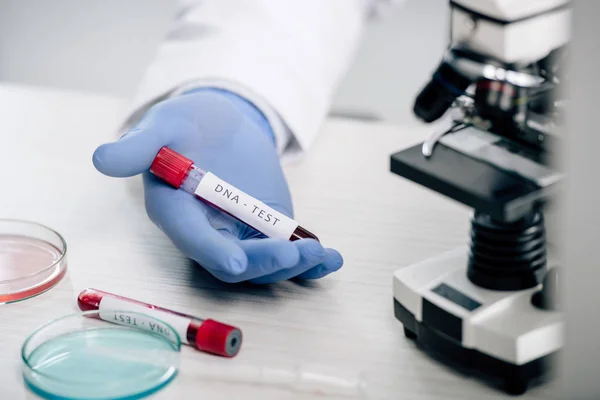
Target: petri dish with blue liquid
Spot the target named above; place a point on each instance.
(82, 356)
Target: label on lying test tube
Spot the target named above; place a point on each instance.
(245, 207)
(109, 305)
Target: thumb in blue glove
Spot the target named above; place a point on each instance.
(228, 136)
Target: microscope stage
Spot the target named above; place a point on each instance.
(503, 195)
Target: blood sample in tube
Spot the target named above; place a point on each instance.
(181, 173)
(204, 334)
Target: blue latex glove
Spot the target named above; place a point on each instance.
(228, 136)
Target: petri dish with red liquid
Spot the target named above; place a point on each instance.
(33, 259)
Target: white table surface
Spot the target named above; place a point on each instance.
(343, 191)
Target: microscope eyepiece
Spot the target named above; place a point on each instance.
(438, 95)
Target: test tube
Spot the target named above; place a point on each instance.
(182, 173)
(204, 334)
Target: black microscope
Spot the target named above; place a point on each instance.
(490, 308)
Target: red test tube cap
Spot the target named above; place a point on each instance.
(171, 166)
(218, 338)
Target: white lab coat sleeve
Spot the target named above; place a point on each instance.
(285, 56)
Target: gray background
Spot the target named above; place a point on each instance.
(580, 215)
(103, 45)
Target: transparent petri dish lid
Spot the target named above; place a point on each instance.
(33, 259)
(82, 356)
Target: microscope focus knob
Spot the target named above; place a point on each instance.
(548, 297)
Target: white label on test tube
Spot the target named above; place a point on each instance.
(109, 311)
(245, 207)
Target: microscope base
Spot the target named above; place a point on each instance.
(500, 336)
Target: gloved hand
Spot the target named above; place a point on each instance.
(228, 136)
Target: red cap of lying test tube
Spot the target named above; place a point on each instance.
(171, 166)
(218, 338)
